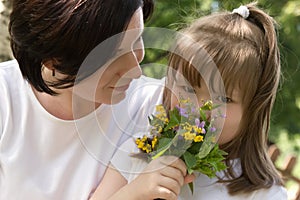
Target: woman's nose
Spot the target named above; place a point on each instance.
(132, 62)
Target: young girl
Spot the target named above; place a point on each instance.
(243, 46)
(54, 142)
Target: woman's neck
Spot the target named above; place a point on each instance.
(65, 105)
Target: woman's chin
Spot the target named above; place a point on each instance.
(114, 99)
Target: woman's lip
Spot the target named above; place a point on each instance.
(121, 88)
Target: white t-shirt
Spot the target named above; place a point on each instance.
(205, 188)
(43, 157)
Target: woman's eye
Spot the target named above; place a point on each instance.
(120, 50)
(137, 43)
(224, 99)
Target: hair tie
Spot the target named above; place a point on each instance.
(242, 11)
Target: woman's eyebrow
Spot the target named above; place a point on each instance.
(141, 33)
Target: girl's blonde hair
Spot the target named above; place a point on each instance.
(246, 54)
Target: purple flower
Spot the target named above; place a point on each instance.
(212, 129)
(193, 110)
(182, 111)
(180, 137)
(202, 124)
(176, 128)
(197, 123)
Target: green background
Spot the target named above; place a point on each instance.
(174, 14)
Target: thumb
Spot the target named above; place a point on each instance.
(189, 178)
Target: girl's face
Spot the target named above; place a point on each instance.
(108, 85)
(233, 104)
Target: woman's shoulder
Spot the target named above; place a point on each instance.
(10, 77)
(12, 83)
(9, 65)
(10, 72)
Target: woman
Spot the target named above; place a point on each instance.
(55, 141)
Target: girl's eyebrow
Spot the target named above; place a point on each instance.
(174, 77)
(179, 77)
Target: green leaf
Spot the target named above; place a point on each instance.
(205, 149)
(202, 115)
(190, 161)
(191, 186)
(194, 149)
(212, 163)
(174, 119)
(154, 121)
(207, 106)
(163, 143)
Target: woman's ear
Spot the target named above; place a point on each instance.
(50, 64)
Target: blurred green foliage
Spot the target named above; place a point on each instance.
(174, 14)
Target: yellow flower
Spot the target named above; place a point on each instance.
(184, 101)
(208, 105)
(144, 139)
(187, 127)
(147, 148)
(213, 139)
(154, 142)
(137, 140)
(198, 138)
(160, 109)
(140, 143)
(161, 113)
(189, 136)
(160, 129)
(197, 129)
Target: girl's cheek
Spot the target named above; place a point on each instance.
(229, 132)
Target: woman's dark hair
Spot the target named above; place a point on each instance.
(65, 31)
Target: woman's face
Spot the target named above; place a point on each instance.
(233, 104)
(108, 85)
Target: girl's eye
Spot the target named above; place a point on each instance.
(224, 99)
(188, 89)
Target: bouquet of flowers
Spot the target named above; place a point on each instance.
(188, 133)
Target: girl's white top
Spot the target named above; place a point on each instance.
(204, 188)
(46, 158)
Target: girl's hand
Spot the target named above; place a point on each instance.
(162, 178)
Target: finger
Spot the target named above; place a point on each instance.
(173, 173)
(164, 193)
(189, 178)
(175, 162)
(170, 184)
